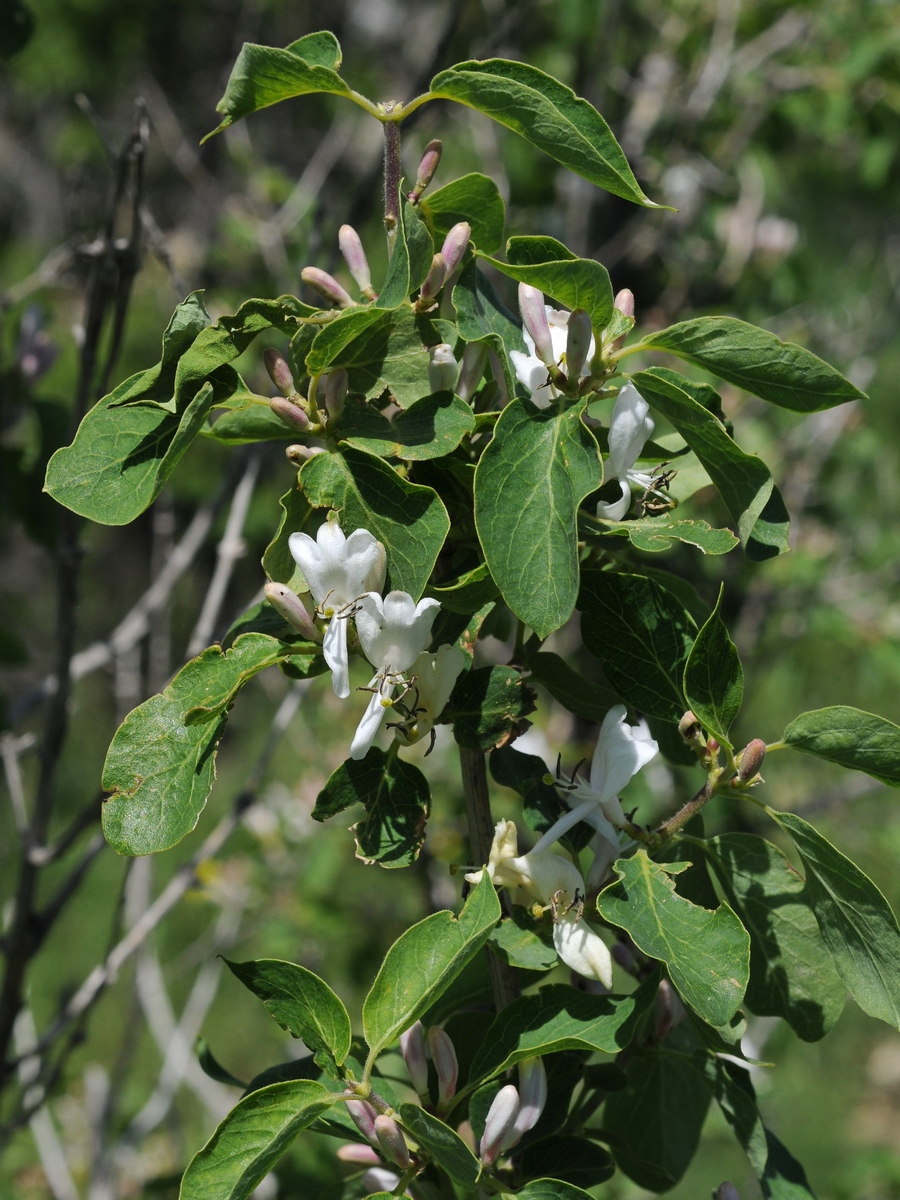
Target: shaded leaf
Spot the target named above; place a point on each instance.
(430, 428)
(467, 594)
(483, 317)
(714, 677)
(570, 1159)
(444, 1144)
(592, 701)
(410, 259)
(488, 706)
(541, 804)
(515, 942)
(474, 198)
(655, 534)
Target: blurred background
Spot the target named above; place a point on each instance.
(773, 130)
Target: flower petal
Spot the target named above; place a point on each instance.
(334, 650)
(629, 429)
(620, 753)
(615, 510)
(582, 949)
(370, 723)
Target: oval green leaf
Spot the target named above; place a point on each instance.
(714, 677)
(574, 282)
(474, 198)
(851, 738)
(444, 1145)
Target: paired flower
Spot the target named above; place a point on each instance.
(630, 428)
(514, 1111)
(547, 335)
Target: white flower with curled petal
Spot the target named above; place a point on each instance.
(392, 633)
(555, 881)
(531, 369)
(630, 428)
(337, 570)
(435, 675)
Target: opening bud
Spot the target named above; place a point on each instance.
(355, 258)
(327, 286)
(578, 343)
(427, 167)
(336, 386)
(292, 414)
(412, 1047)
(534, 318)
(392, 1142)
(455, 244)
(433, 283)
(689, 727)
(363, 1115)
(291, 607)
(624, 302)
(442, 369)
(751, 760)
(298, 454)
(279, 372)
(443, 1055)
(532, 1098)
(727, 1191)
(471, 370)
(500, 1119)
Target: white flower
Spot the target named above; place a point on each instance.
(337, 570)
(435, 676)
(530, 369)
(392, 633)
(630, 427)
(557, 882)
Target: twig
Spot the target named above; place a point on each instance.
(9, 749)
(43, 1129)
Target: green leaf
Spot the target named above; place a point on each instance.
(552, 1189)
(211, 1066)
(570, 1160)
(467, 594)
(538, 467)
(757, 361)
(430, 428)
(300, 1002)
(408, 518)
(515, 943)
(643, 637)
(445, 1146)
(474, 198)
(160, 766)
(422, 964)
(342, 331)
(248, 421)
(410, 259)
(547, 114)
(278, 562)
(129, 443)
(791, 973)
(714, 677)
(560, 1018)
(742, 480)
(397, 801)
(654, 534)
(856, 921)
(483, 317)
(580, 696)
(785, 1178)
(264, 75)
(706, 953)
(251, 1139)
(654, 1123)
(574, 282)
(851, 738)
(488, 707)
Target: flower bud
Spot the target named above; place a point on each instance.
(292, 608)
(363, 1115)
(298, 454)
(669, 1009)
(727, 1191)
(500, 1119)
(279, 372)
(455, 244)
(578, 343)
(534, 318)
(336, 385)
(751, 760)
(442, 369)
(380, 1179)
(434, 281)
(532, 1098)
(443, 1055)
(689, 726)
(471, 370)
(291, 414)
(355, 257)
(427, 167)
(355, 1152)
(624, 302)
(412, 1047)
(327, 286)
(712, 746)
(392, 1142)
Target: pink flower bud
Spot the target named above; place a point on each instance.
(500, 1119)
(292, 608)
(355, 1152)
(751, 760)
(363, 1115)
(327, 286)
(534, 318)
(279, 372)
(336, 386)
(355, 257)
(578, 343)
(532, 1098)
(727, 1191)
(412, 1047)
(392, 1142)
(434, 281)
(471, 370)
(455, 244)
(443, 1055)
(300, 454)
(292, 414)
(712, 745)
(624, 302)
(442, 369)
(427, 167)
